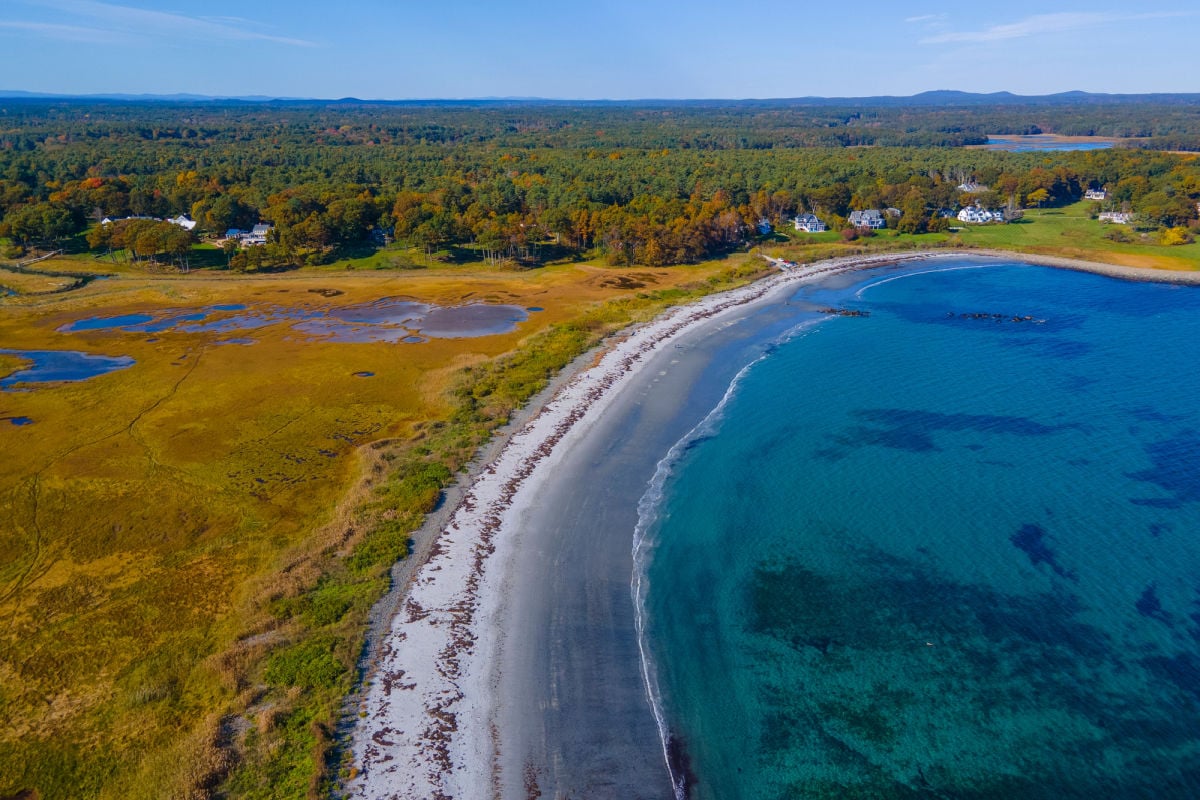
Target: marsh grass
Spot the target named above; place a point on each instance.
(33, 283)
(192, 547)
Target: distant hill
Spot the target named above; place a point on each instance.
(137, 98)
(937, 98)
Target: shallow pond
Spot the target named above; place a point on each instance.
(48, 366)
(386, 320)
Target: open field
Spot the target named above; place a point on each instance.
(191, 544)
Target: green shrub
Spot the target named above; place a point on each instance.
(311, 664)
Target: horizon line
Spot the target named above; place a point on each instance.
(11, 94)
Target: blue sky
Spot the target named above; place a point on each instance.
(604, 49)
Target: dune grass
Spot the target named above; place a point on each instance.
(191, 546)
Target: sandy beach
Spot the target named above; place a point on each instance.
(510, 667)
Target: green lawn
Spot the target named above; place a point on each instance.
(1070, 232)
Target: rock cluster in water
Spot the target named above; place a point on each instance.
(996, 317)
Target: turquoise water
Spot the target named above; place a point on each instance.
(942, 550)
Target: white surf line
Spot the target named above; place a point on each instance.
(873, 284)
(426, 730)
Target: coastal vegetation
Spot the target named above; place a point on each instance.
(192, 545)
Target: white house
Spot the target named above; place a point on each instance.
(871, 218)
(183, 222)
(257, 235)
(809, 224)
(972, 187)
(1116, 217)
(980, 216)
(1096, 194)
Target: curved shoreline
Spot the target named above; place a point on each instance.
(434, 724)
(1144, 274)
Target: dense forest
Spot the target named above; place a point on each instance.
(637, 183)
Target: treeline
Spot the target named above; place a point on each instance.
(641, 185)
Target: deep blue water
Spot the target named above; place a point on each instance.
(47, 366)
(942, 550)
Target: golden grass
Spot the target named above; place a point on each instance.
(168, 528)
(30, 283)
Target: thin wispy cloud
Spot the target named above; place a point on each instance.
(924, 18)
(65, 33)
(1040, 24)
(119, 19)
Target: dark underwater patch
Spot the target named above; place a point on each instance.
(912, 430)
(1031, 540)
(936, 662)
(1148, 605)
(1182, 671)
(1054, 347)
(1176, 469)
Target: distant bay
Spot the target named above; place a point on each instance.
(1047, 141)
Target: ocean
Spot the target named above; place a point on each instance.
(947, 547)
